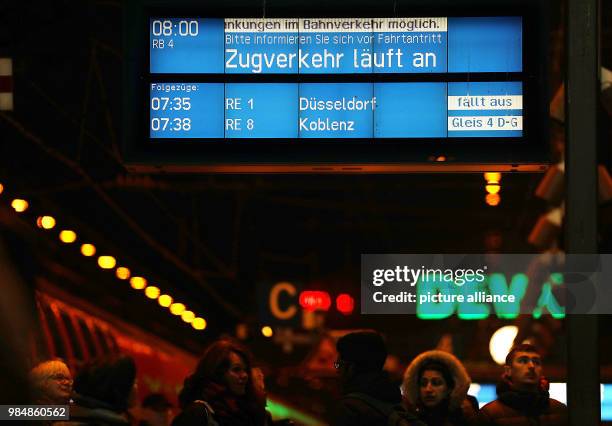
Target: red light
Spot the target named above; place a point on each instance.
(345, 304)
(315, 300)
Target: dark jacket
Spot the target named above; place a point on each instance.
(466, 415)
(224, 408)
(353, 411)
(520, 408)
(91, 412)
(458, 410)
(197, 413)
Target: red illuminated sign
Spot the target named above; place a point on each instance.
(315, 300)
(345, 303)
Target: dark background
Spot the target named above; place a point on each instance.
(212, 239)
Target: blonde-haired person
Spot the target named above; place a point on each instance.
(435, 389)
(51, 383)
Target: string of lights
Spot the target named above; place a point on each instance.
(108, 262)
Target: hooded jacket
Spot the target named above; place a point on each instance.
(523, 408)
(457, 409)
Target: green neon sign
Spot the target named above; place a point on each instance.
(280, 411)
(474, 304)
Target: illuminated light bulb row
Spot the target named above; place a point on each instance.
(164, 300)
(68, 236)
(493, 188)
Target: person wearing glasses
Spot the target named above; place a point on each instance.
(51, 383)
(369, 397)
(522, 394)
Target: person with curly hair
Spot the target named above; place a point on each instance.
(221, 390)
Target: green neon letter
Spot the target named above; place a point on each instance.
(431, 310)
(518, 287)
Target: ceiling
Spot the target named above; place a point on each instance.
(209, 239)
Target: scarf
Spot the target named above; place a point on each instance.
(231, 410)
(531, 403)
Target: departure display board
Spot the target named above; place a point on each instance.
(336, 110)
(327, 86)
(207, 108)
(335, 45)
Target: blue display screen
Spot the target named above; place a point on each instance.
(415, 109)
(187, 110)
(335, 110)
(485, 44)
(343, 110)
(337, 101)
(486, 393)
(180, 46)
(261, 110)
(335, 45)
(485, 109)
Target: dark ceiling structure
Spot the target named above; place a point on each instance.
(210, 239)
